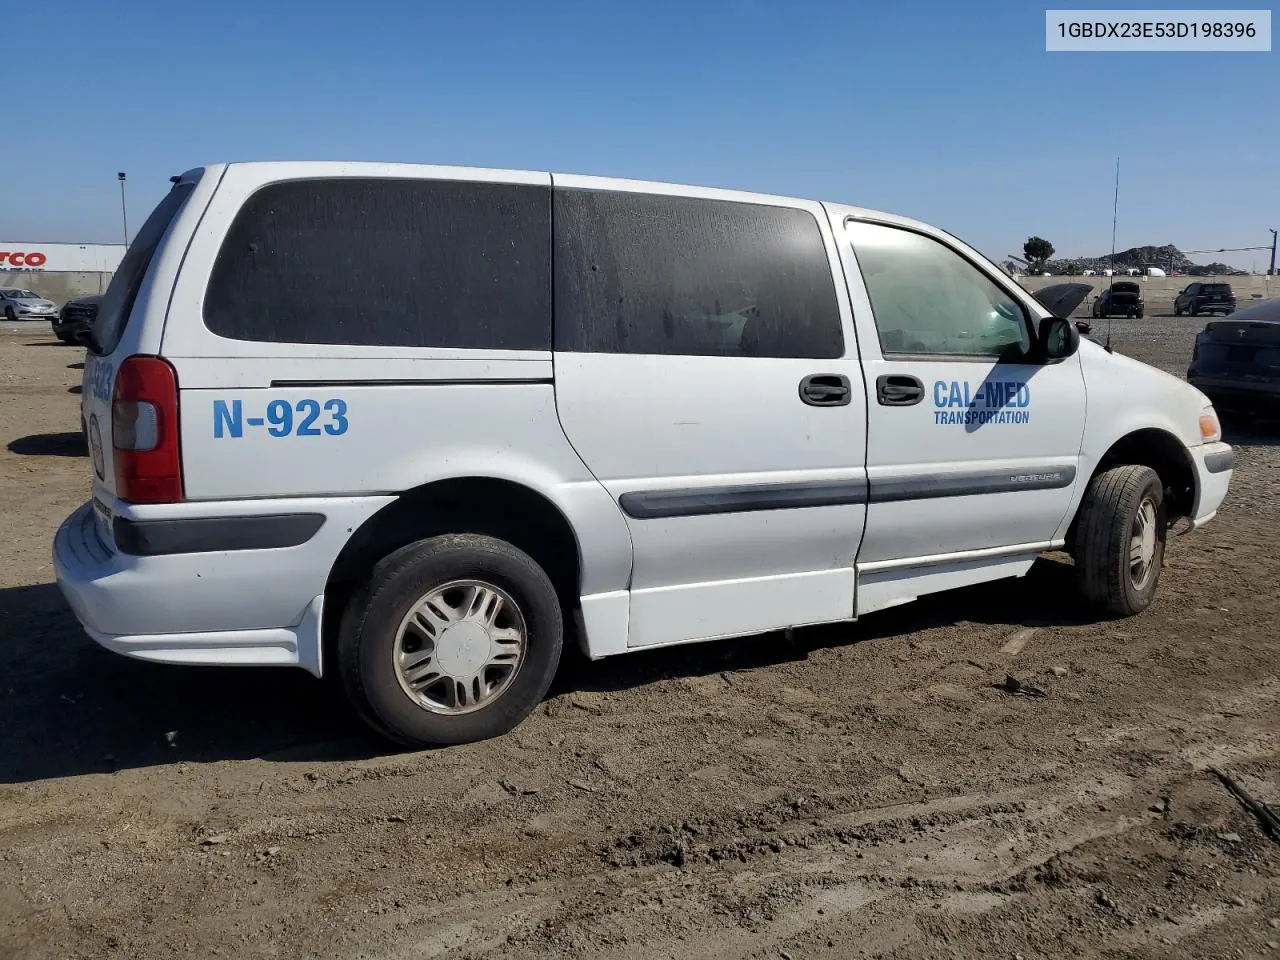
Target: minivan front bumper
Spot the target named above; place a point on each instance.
(222, 605)
(1214, 463)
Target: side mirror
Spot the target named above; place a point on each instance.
(1057, 339)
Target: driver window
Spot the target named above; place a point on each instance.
(928, 300)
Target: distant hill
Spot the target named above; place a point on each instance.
(1168, 258)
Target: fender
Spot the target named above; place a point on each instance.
(1123, 397)
(597, 522)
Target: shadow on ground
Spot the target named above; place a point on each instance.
(71, 708)
(50, 445)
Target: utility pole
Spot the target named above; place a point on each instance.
(124, 213)
(1272, 271)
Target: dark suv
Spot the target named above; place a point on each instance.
(1123, 297)
(1200, 298)
(75, 319)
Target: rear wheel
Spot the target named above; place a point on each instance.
(456, 638)
(1120, 538)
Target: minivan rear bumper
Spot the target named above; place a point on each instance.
(219, 606)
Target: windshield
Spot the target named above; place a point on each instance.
(22, 295)
(117, 302)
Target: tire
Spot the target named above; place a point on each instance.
(9, 314)
(1195, 310)
(377, 634)
(1109, 532)
(1177, 310)
(1138, 315)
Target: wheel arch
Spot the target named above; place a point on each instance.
(1164, 453)
(486, 505)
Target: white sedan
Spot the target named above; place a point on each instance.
(18, 304)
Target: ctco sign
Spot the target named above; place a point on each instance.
(33, 259)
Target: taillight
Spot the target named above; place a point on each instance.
(144, 432)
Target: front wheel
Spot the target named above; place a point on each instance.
(455, 639)
(1120, 538)
(9, 314)
(1195, 310)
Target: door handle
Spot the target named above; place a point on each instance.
(895, 390)
(825, 390)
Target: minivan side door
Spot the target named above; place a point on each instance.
(707, 374)
(973, 446)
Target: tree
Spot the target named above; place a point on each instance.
(1037, 250)
(1072, 269)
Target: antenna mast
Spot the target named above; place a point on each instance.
(1115, 214)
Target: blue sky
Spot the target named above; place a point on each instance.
(951, 112)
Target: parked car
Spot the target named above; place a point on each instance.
(75, 319)
(18, 304)
(663, 413)
(1200, 298)
(1236, 362)
(1122, 298)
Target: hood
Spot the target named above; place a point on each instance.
(1061, 299)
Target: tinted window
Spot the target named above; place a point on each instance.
(411, 263)
(929, 300)
(117, 302)
(638, 273)
(1216, 288)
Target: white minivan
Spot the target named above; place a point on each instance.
(407, 423)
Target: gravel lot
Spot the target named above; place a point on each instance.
(862, 790)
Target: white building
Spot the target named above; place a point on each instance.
(60, 257)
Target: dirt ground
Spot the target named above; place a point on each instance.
(860, 790)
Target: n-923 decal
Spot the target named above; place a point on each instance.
(307, 417)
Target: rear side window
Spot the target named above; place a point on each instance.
(408, 263)
(641, 273)
(117, 302)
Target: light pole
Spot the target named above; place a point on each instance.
(124, 214)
